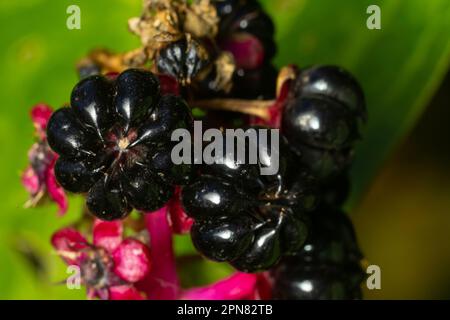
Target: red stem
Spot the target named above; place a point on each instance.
(162, 282)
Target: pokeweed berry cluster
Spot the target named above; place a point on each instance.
(113, 144)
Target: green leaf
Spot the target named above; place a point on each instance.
(399, 66)
(37, 60)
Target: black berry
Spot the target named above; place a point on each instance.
(247, 32)
(246, 218)
(114, 143)
(322, 119)
(328, 265)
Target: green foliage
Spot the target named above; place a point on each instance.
(398, 66)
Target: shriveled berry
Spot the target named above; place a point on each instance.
(182, 59)
(114, 142)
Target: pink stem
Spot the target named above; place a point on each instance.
(162, 282)
(239, 286)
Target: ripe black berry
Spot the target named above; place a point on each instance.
(246, 31)
(320, 122)
(325, 165)
(248, 219)
(324, 109)
(312, 282)
(336, 192)
(322, 119)
(335, 83)
(114, 143)
(327, 266)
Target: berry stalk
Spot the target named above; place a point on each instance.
(258, 108)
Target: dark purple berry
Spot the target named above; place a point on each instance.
(331, 240)
(247, 32)
(223, 239)
(325, 165)
(335, 192)
(114, 143)
(311, 282)
(329, 264)
(335, 83)
(264, 216)
(322, 117)
(319, 122)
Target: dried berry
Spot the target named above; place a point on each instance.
(182, 59)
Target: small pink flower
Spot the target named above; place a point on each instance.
(39, 177)
(111, 266)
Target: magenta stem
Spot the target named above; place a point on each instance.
(162, 283)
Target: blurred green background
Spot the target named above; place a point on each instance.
(401, 195)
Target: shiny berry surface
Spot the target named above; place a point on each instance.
(248, 219)
(319, 122)
(331, 240)
(335, 83)
(247, 32)
(309, 282)
(328, 265)
(322, 119)
(245, 28)
(114, 143)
